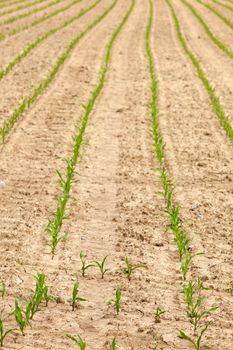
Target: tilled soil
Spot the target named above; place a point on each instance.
(116, 208)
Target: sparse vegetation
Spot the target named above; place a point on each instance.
(76, 299)
(129, 268)
(157, 314)
(78, 341)
(85, 265)
(101, 265)
(118, 300)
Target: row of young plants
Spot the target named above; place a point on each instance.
(128, 269)
(36, 21)
(192, 289)
(29, 100)
(21, 7)
(227, 50)
(224, 121)
(4, 3)
(31, 12)
(55, 224)
(28, 49)
(225, 19)
(223, 5)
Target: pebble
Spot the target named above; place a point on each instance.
(2, 184)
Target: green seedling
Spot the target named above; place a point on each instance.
(42, 288)
(22, 317)
(194, 301)
(3, 333)
(156, 347)
(195, 342)
(230, 289)
(129, 269)
(41, 293)
(85, 265)
(118, 300)
(186, 262)
(75, 297)
(3, 289)
(113, 345)
(101, 266)
(78, 341)
(157, 314)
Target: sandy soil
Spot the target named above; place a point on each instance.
(116, 207)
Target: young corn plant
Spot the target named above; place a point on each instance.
(85, 265)
(185, 263)
(156, 347)
(195, 342)
(101, 265)
(113, 344)
(75, 299)
(194, 301)
(22, 317)
(54, 226)
(180, 236)
(129, 269)
(41, 293)
(3, 289)
(230, 289)
(118, 300)
(78, 341)
(157, 314)
(3, 332)
(42, 288)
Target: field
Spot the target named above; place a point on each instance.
(116, 174)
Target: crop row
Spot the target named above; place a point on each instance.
(223, 5)
(29, 13)
(39, 20)
(208, 31)
(55, 224)
(226, 20)
(29, 100)
(21, 7)
(28, 49)
(224, 122)
(192, 289)
(5, 3)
